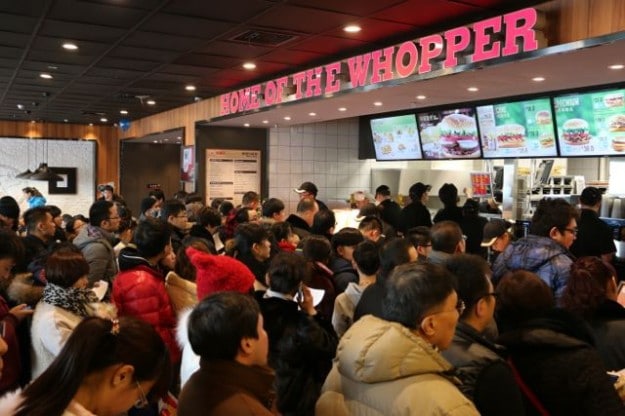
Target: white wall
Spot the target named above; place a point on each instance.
(14, 159)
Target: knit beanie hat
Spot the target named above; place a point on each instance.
(219, 273)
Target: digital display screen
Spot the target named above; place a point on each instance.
(449, 134)
(396, 138)
(517, 129)
(591, 123)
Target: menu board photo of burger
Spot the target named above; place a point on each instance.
(517, 129)
(591, 123)
(396, 138)
(449, 134)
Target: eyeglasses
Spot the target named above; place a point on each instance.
(460, 307)
(571, 230)
(143, 400)
(493, 294)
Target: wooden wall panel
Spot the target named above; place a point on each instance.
(106, 136)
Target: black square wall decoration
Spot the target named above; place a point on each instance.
(65, 186)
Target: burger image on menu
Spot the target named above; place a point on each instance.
(613, 100)
(616, 125)
(543, 117)
(510, 136)
(575, 132)
(458, 135)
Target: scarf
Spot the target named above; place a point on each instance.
(72, 299)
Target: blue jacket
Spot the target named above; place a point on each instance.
(36, 201)
(540, 255)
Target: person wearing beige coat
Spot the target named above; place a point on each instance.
(393, 367)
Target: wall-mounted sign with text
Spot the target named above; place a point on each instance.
(231, 173)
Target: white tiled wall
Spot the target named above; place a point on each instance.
(14, 159)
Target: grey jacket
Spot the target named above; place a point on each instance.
(97, 247)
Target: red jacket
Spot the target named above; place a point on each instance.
(140, 292)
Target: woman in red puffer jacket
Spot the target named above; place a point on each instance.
(139, 289)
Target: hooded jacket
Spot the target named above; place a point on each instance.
(344, 273)
(382, 368)
(139, 291)
(540, 255)
(97, 247)
(344, 306)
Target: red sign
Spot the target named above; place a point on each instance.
(395, 62)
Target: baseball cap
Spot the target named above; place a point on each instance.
(418, 189)
(494, 229)
(590, 196)
(309, 187)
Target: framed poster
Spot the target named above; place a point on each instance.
(187, 164)
(231, 173)
(65, 186)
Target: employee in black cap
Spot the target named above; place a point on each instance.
(416, 213)
(496, 237)
(594, 237)
(309, 190)
(390, 211)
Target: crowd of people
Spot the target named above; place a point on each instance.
(233, 309)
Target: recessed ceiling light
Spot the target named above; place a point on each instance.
(617, 66)
(53, 67)
(249, 65)
(66, 120)
(342, 109)
(45, 75)
(190, 88)
(104, 119)
(312, 114)
(287, 118)
(124, 112)
(32, 121)
(90, 124)
(538, 79)
(70, 46)
(473, 89)
(352, 29)
(378, 103)
(421, 97)
(155, 141)
(150, 102)
(246, 124)
(265, 121)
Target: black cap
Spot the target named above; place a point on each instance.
(590, 196)
(418, 189)
(494, 229)
(309, 187)
(383, 190)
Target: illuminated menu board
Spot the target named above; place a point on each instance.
(449, 134)
(591, 123)
(517, 129)
(396, 138)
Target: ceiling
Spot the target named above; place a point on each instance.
(133, 51)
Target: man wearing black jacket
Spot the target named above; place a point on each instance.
(416, 213)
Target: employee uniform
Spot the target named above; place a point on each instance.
(594, 237)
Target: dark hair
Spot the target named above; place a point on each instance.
(383, 190)
(34, 216)
(471, 208)
(172, 207)
(209, 217)
(272, 206)
(146, 204)
(249, 197)
(127, 224)
(317, 248)
(219, 323)
(371, 223)
(226, 208)
(392, 254)
(420, 236)
(369, 210)
(54, 210)
(99, 212)
(552, 213)
(157, 194)
(587, 285)
(9, 208)
(69, 225)
(445, 236)
(180, 196)
(192, 198)
(216, 203)
(323, 221)
(281, 230)
(151, 237)
(248, 234)
(31, 191)
(472, 275)
(184, 268)
(367, 257)
(413, 290)
(522, 296)
(305, 205)
(347, 236)
(286, 272)
(448, 194)
(65, 265)
(242, 215)
(11, 246)
(92, 348)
